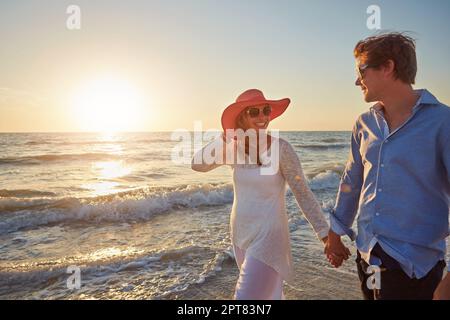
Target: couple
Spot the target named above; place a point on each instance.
(397, 180)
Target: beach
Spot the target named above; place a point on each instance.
(138, 226)
(103, 104)
(312, 282)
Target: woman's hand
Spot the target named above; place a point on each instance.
(335, 250)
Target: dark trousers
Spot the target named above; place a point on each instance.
(395, 284)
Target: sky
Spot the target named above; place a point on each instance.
(162, 65)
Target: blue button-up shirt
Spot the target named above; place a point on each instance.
(398, 183)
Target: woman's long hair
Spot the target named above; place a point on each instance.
(240, 124)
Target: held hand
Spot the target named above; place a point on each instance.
(335, 261)
(442, 292)
(335, 250)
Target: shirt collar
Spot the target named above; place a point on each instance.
(425, 98)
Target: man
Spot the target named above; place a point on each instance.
(397, 178)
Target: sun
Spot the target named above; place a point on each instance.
(108, 104)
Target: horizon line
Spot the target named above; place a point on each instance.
(153, 131)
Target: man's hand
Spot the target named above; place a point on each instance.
(442, 292)
(335, 250)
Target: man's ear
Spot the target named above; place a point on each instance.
(389, 68)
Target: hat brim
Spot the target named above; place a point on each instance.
(231, 112)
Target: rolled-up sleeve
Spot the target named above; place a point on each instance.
(345, 210)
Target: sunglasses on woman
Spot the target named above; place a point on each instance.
(253, 112)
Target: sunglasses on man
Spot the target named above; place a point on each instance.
(362, 68)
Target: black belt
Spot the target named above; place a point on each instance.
(386, 260)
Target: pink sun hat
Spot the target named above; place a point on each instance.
(251, 97)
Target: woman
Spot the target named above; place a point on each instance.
(259, 223)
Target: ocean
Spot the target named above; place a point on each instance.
(136, 225)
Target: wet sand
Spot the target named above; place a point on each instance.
(312, 282)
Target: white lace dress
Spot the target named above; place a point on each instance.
(259, 222)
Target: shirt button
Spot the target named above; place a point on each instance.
(379, 190)
(377, 214)
(382, 165)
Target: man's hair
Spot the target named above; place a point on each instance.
(398, 47)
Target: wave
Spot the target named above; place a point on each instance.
(325, 180)
(155, 175)
(212, 267)
(154, 141)
(331, 140)
(35, 143)
(322, 146)
(133, 260)
(25, 193)
(333, 167)
(44, 158)
(139, 204)
(96, 142)
(103, 273)
(109, 142)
